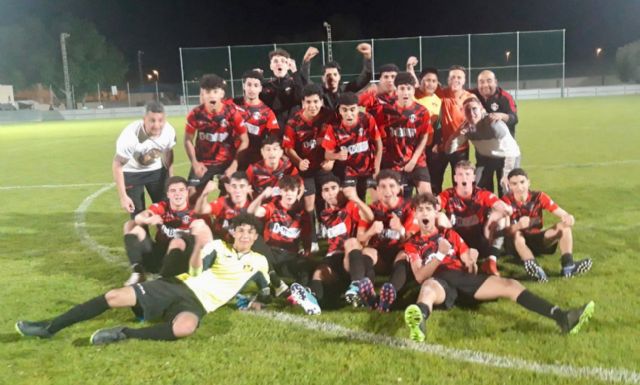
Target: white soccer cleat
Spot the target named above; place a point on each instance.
(303, 297)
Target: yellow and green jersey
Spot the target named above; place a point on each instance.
(227, 275)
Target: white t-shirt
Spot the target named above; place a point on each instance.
(144, 153)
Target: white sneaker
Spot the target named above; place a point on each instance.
(281, 289)
(135, 278)
(315, 247)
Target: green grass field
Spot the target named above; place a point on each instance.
(583, 152)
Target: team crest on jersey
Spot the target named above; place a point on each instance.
(494, 106)
(360, 131)
(412, 118)
(247, 267)
(256, 115)
(224, 123)
(186, 219)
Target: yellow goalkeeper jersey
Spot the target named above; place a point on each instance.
(229, 272)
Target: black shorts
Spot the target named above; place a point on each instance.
(288, 264)
(153, 181)
(165, 298)
(335, 262)
(212, 171)
(535, 242)
(459, 284)
(313, 181)
(478, 242)
(386, 257)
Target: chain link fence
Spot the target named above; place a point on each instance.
(520, 60)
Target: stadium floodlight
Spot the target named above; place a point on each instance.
(599, 51)
(65, 69)
(155, 78)
(507, 55)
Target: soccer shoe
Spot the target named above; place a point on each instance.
(490, 267)
(535, 271)
(367, 293)
(387, 297)
(281, 289)
(303, 297)
(351, 296)
(576, 268)
(415, 321)
(314, 247)
(34, 329)
(576, 318)
(134, 278)
(107, 336)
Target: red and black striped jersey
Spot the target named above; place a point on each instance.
(532, 207)
(305, 137)
(260, 176)
(422, 247)
(217, 133)
(359, 141)
(373, 103)
(175, 224)
(341, 224)
(260, 121)
(223, 211)
(467, 215)
(285, 228)
(401, 130)
(389, 237)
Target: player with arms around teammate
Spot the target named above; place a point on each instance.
(144, 159)
(355, 144)
(526, 231)
(174, 243)
(273, 166)
(442, 264)
(219, 132)
(180, 302)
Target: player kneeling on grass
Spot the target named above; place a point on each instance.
(442, 262)
(179, 301)
(340, 218)
(526, 235)
(174, 242)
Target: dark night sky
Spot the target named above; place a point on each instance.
(159, 27)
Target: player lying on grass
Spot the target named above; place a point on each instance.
(174, 241)
(181, 301)
(340, 218)
(442, 262)
(526, 236)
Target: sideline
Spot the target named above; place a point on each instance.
(464, 355)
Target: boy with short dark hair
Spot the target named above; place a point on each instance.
(526, 232)
(219, 131)
(273, 166)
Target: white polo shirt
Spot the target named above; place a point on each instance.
(144, 153)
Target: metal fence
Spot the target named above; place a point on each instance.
(519, 59)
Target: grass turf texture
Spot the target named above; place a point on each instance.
(583, 152)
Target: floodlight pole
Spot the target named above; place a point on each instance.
(327, 26)
(65, 68)
(140, 53)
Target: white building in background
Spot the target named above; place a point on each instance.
(6, 95)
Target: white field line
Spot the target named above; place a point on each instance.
(51, 186)
(470, 356)
(80, 216)
(457, 355)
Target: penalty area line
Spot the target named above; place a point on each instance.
(51, 186)
(470, 356)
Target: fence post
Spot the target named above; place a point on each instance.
(184, 86)
(563, 61)
(128, 95)
(469, 58)
(233, 94)
(420, 49)
(373, 61)
(517, 63)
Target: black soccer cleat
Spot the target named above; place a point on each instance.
(107, 336)
(577, 268)
(34, 329)
(575, 319)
